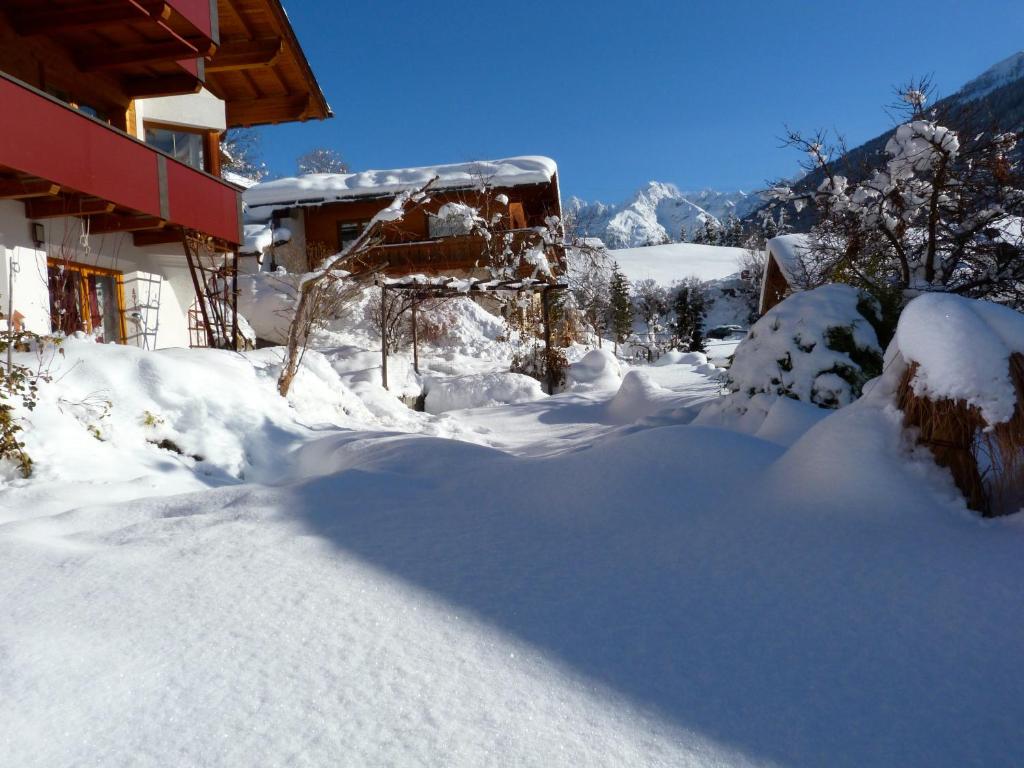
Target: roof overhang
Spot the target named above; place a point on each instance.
(260, 70)
(154, 47)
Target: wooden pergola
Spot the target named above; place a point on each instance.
(440, 287)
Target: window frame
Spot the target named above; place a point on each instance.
(84, 273)
(209, 138)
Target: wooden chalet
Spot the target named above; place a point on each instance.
(324, 213)
(114, 218)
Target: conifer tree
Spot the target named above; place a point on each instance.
(689, 308)
(621, 308)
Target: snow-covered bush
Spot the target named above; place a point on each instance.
(819, 346)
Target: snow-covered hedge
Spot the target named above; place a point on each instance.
(817, 346)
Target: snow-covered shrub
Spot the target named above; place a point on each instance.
(958, 369)
(818, 346)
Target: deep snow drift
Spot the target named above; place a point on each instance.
(584, 579)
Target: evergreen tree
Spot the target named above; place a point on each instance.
(689, 306)
(733, 232)
(712, 232)
(621, 308)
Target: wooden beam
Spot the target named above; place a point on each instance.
(269, 109)
(85, 15)
(169, 85)
(112, 222)
(162, 236)
(20, 189)
(234, 55)
(66, 206)
(154, 53)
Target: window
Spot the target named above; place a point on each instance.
(185, 146)
(348, 231)
(517, 217)
(86, 299)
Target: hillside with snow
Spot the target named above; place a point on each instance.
(657, 213)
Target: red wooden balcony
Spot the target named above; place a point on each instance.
(63, 162)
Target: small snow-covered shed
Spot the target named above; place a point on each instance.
(782, 269)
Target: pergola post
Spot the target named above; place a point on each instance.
(546, 316)
(415, 336)
(384, 335)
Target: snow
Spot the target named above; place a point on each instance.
(591, 578)
(319, 188)
(962, 348)
(599, 369)
(668, 263)
(481, 390)
(789, 251)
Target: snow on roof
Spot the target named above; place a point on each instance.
(788, 250)
(667, 263)
(318, 188)
(258, 237)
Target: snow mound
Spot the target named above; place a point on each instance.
(121, 410)
(675, 357)
(597, 370)
(962, 348)
(267, 300)
(638, 397)
(481, 390)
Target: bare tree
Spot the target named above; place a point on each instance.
(942, 212)
(311, 306)
(240, 153)
(322, 160)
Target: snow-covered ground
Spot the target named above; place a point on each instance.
(583, 579)
(666, 264)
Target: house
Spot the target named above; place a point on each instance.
(114, 216)
(783, 269)
(321, 214)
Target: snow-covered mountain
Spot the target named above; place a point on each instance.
(657, 213)
(1007, 71)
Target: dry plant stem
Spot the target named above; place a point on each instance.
(306, 314)
(958, 436)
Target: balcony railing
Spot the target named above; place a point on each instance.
(459, 253)
(89, 161)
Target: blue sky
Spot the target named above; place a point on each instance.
(694, 92)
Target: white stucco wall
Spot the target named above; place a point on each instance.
(31, 294)
(157, 286)
(194, 110)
